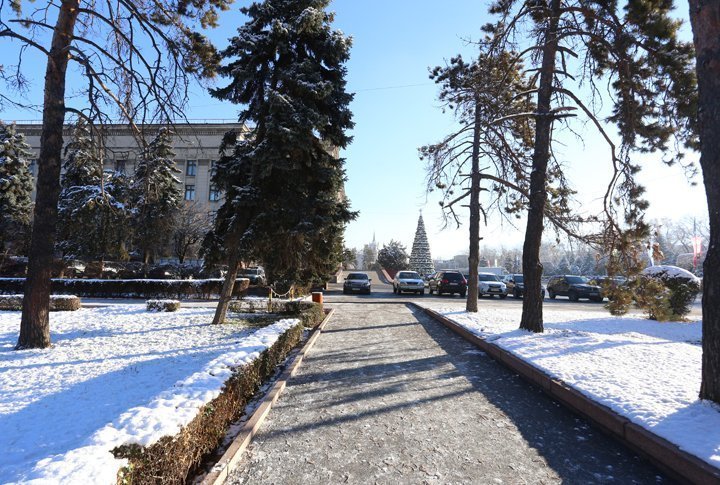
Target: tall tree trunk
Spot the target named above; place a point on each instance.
(35, 322)
(227, 289)
(474, 252)
(705, 20)
(532, 315)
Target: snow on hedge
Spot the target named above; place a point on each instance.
(647, 371)
(115, 375)
(664, 271)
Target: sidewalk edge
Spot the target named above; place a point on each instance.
(667, 456)
(230, 459)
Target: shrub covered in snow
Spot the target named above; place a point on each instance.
(178, 289)
(58, 303)
(675, 290)
(162, 305)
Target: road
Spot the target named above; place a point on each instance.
(382, 293)
(387, 395)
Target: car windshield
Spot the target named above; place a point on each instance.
(357, 276)
(453, 276)
(576, 280)
(410, 275)
(518, 278)
(487, 277)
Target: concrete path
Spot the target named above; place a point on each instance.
(389, 396)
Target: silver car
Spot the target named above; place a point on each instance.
(408, 281)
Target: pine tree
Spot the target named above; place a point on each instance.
(157, 195)
(420, 259)
(94, 206)
(393, 256)
(16, 186)
(283, 180)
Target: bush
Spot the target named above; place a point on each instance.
(679, 290)
(175, 458)
(58, 303)
(310, 313)
(176, 289)
(162, 305)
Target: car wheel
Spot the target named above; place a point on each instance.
(462, 294)
(422, 292)
(502, 297)
(516, 293)
(573, 296)
(551, 294)
(597, 299)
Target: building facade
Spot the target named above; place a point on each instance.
(196, 147)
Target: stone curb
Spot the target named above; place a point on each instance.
(230, 459)
(676, 463)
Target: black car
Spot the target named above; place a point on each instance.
(448, 282)
(574, 287)
(516, 285)
(359, 282)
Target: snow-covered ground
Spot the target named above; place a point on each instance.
(646, 371)
(115, 375)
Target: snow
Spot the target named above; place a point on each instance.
(670, 272)
(647, 371)
(115, 375)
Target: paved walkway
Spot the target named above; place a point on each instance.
(389, 396)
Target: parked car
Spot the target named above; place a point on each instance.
(255, 275)
(489, 284)
(574, 287)
(357, 282)
(516, 285)
(408, 281)
(608, 283)
(448, 282)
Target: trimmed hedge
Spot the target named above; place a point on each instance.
(58, 303)
(162, 305)
(173, 459)
(175, 289)
(310, 313)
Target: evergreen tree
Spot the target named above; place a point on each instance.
(632, 54)
(420, 259)
(706, 31)
(393, 256)
(94, 206)
(16, 186)
(283, 179)
(157, 195)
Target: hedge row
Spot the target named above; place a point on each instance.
(175, 459)
(162, 305)
(177, 289)
(311, 314)
(58, 303)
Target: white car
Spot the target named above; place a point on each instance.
(408, 281)
(489, 284)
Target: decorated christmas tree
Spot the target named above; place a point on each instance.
(420, 259)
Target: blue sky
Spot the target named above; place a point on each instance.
(395, 111)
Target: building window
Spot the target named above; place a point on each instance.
(189, 192)
(120, 165)
(191, 168)
(214, 193)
